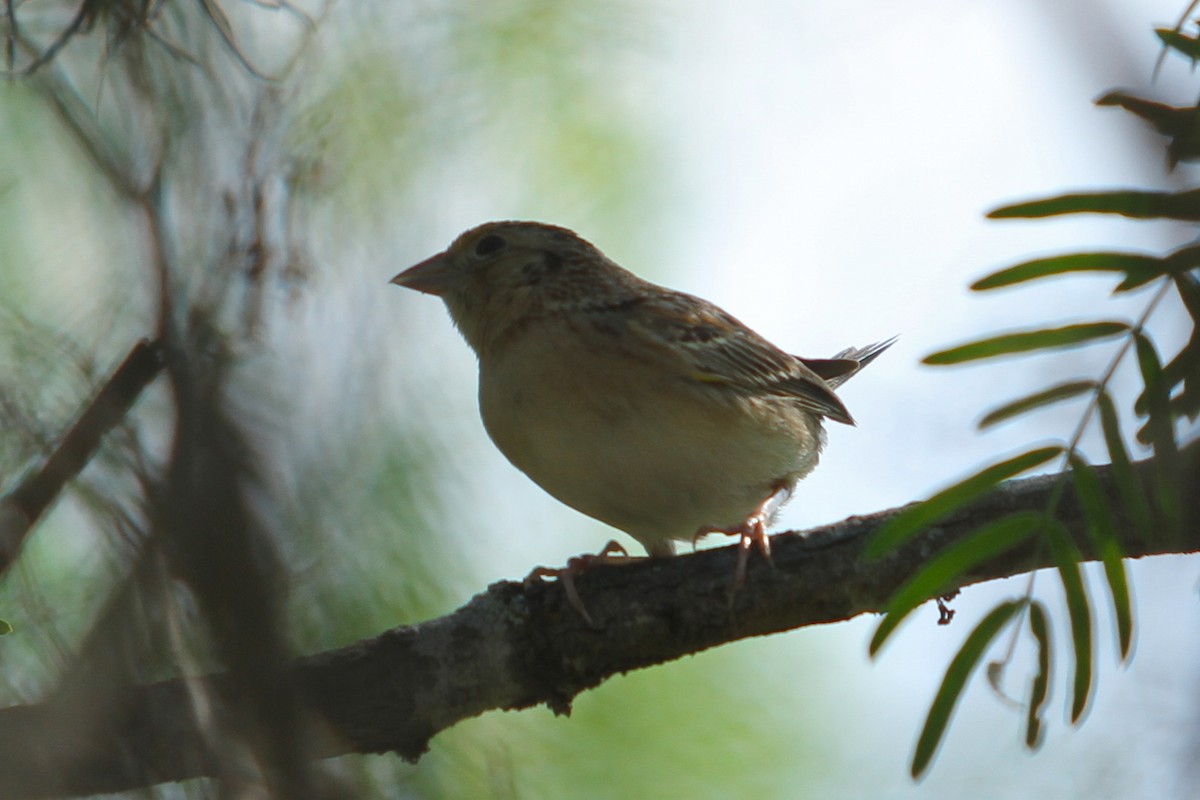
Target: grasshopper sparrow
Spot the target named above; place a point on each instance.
(649, 409)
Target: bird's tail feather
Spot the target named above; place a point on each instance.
(846, 364)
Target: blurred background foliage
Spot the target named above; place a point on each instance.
(345, 142)
(272, 165)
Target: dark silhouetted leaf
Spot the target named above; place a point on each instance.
(1066, 556)
(1103, 532)
(913, 520)
(952, 562)
(1025, 341)
(957, 674)
(1133, 497)
(1177, 123)
(1160, 432)
(1039, 626)
(1189, 292)
(1187, 403)
(1180, 43)
(1179, 262)
(1168, 120)
(1055, 394)
(1185, 367)
(1186, 364)
(1131, 203)
(1155, 399)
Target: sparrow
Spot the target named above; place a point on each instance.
(649, 409)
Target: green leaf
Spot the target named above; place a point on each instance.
(911, 521)
(1129, 486)
(1160, 431)
(1188, 287)
(957, 674)
(1135, 204)
(1055, 394)
(1132, 264)
(1066, 556)
(1177, 123)
(955, 560)
(1139, 269)
(5, 627)
(1172, 121)
(1180, 43)
(1187, 402)
(1103, 532)
(1155, 399)
(1186, 364)
(1180, 262)
(1039, 626)
(1010, 343)
(1131, 282)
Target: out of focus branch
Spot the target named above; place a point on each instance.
(256, 733)
(513, 646)
(21, 508)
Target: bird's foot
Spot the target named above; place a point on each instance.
(752, 535)
(752, 532)
(611, 553)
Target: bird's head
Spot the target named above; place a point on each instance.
(503, 274)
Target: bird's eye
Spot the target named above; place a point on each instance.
(490, 244)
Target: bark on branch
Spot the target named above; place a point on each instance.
(513, 647)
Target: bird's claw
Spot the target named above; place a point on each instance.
(611, 553)
(752, 533)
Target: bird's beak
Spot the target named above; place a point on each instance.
(435, 275)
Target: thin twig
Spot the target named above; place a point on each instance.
(21, 509)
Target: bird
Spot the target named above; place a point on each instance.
(646, 408)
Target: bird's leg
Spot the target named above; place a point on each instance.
(611, 553)
(752, 531)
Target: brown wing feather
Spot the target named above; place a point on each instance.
(713, 347)
(830, 368)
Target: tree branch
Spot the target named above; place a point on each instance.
(513, 647)
(21, 508)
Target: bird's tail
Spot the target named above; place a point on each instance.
(846, 364)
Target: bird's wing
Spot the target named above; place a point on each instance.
(699, 341)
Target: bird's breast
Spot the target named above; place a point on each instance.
(653, 454)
